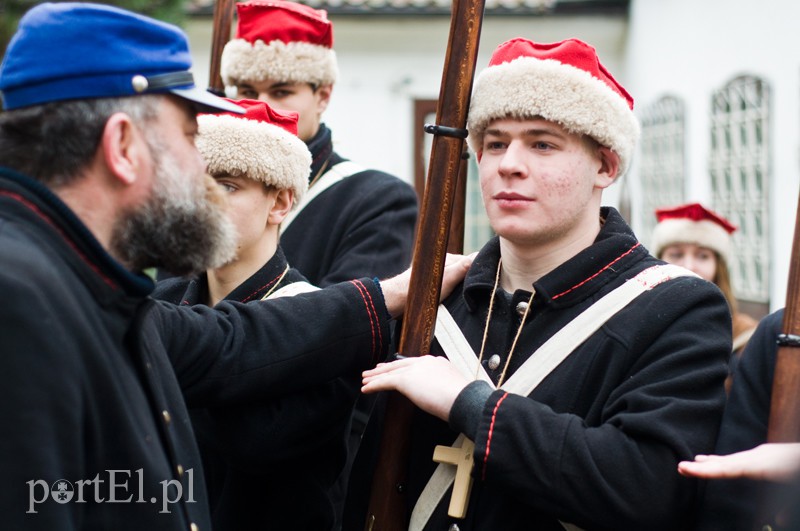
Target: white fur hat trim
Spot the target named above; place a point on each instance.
(257, 150)
(704, 233)
(295, 62)
(527, 87)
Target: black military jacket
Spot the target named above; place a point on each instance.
(363, 226)
(270, 464)
(97, 375)
(597, 443)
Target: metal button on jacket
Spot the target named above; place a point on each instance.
(494, 362)
(521, 307)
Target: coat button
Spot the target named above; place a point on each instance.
(521, 307)
(167, 416)
(453, 527)
(494, 362)
(179, 468)
(194, 527)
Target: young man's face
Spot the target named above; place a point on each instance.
(540, 184)
(249, 206)
(309, 102)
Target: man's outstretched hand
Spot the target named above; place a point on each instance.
(771, 462)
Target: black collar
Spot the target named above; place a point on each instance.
(614, 250)
(51, 212)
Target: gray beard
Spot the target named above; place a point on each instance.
(181, 228)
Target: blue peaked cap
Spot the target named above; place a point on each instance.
(70, 51)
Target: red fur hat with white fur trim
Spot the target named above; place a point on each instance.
(562, 82)
(692, 223)
(261, 144)
(280, 40)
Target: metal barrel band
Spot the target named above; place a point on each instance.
(788, 340)
(443, 130)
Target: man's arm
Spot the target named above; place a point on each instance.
(264, 349)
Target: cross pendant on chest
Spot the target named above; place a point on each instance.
(462, 459)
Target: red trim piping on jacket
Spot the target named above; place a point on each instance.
(35, 209)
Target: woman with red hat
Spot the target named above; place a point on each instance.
(699, 239)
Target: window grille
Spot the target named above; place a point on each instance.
(739, 167)
(477, 230)
(663, 160)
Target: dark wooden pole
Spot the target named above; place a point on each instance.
(223, 19)
(388, 507)
(784, 415)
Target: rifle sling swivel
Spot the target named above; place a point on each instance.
(441, 130)
(788, 340)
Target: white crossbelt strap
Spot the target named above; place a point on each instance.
(337, 173)
(536, 367)
(295, 288)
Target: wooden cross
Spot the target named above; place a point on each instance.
(462, 459)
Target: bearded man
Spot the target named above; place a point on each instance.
(103, 180)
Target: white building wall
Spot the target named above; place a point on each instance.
(691, 48)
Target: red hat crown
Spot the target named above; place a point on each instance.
(259, 111)
(280, 41)
(571, 52)
(694, 212)
(283, 21)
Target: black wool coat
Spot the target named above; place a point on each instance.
(736, 504)
(363, 226)
(597, 443)
(270, 464)
(97, 375)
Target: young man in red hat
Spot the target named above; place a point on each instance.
(581, 369)
(354, 221)
(258, 458)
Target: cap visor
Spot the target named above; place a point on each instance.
(205, 101)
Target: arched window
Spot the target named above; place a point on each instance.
(662, 166)
(739, 168)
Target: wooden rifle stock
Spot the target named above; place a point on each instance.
(388, 506)
(455, 240)
(784, 415)
(223, 18)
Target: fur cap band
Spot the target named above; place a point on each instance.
(261, 145)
